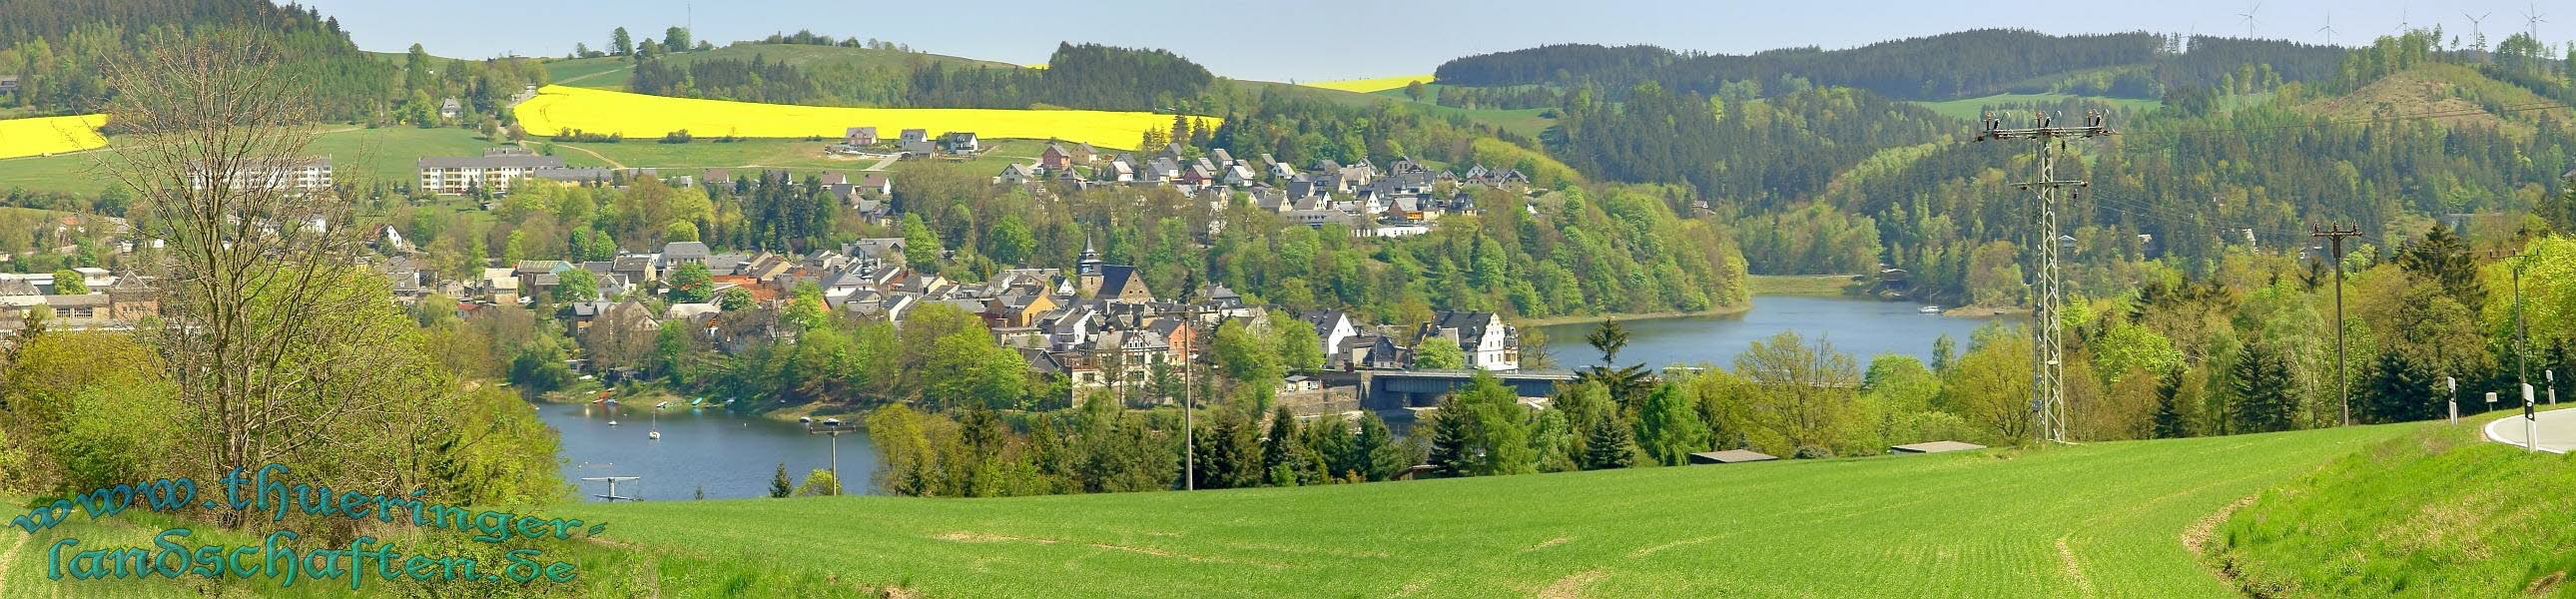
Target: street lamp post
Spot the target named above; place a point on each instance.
(829, 427)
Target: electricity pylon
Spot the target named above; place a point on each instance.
(2047, 337)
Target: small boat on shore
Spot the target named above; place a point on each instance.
(1928, 310)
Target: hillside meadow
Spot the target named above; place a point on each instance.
(42, 136)
(1371, 85)
(613, 72)
(2438, 512)
(645, 118)
(380, 154)
(2102, 519)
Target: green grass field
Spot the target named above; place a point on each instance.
(2103, 519)
(2439, 512)
(1968, 109)
(388, 154)
(795, 155)
(1802, 284)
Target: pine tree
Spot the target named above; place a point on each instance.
(1450, 453)
(2169, 423)
(779, 485)
(1279, 449)
(1378, 445)
(2397, 390)
(1608, 446)
(2262, 385)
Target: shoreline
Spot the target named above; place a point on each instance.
(1985, 312)
(1588, 318)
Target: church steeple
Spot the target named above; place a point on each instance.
(1090, 263)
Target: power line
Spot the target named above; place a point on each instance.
(2343, 380)
(2048, 359)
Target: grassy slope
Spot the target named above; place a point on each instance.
(2101, 519)
(612, 72)
(1371, 85)
(2440, 88)
(2438, 512)
(797, 155)
(2104, 517)
(1831, 285)
(385, 154)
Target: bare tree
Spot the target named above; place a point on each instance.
(280, 342)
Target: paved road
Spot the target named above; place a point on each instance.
(2557, 430)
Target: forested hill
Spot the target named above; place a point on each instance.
(60, 48)
(1089, 76)
(1973, 63)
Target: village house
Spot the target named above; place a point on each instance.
(860, 136)
(683, 252)
(1055, 158)
(916, 142)
(960, 143)
(1489, 343)
(451, 109)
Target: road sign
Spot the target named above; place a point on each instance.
(2454, 397)
(2530, 420)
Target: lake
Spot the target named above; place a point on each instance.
(725, 454)
(1860, 327)
(734, 456)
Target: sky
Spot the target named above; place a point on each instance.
(1319, 40)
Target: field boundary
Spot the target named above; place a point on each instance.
(2196, 539)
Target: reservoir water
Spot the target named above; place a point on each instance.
(725, 454)
(735, 456)
(1860, 327)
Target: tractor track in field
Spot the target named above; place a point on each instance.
(2074, 569)
(2196, 539)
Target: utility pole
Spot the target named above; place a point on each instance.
(2048, 352)
(2521, 331)
(1190, 397)
(2343, 380)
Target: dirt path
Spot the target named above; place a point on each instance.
(578, 79)
(2196, 538)
(612, 162)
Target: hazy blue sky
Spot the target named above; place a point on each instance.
(1316, 40)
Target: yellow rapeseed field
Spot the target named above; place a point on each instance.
(51, 135)
(1370, 86)
(642, 117)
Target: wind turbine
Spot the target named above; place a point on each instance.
(2532, 18)
(2329, 28)
(2477, 29)
(2249, 18)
